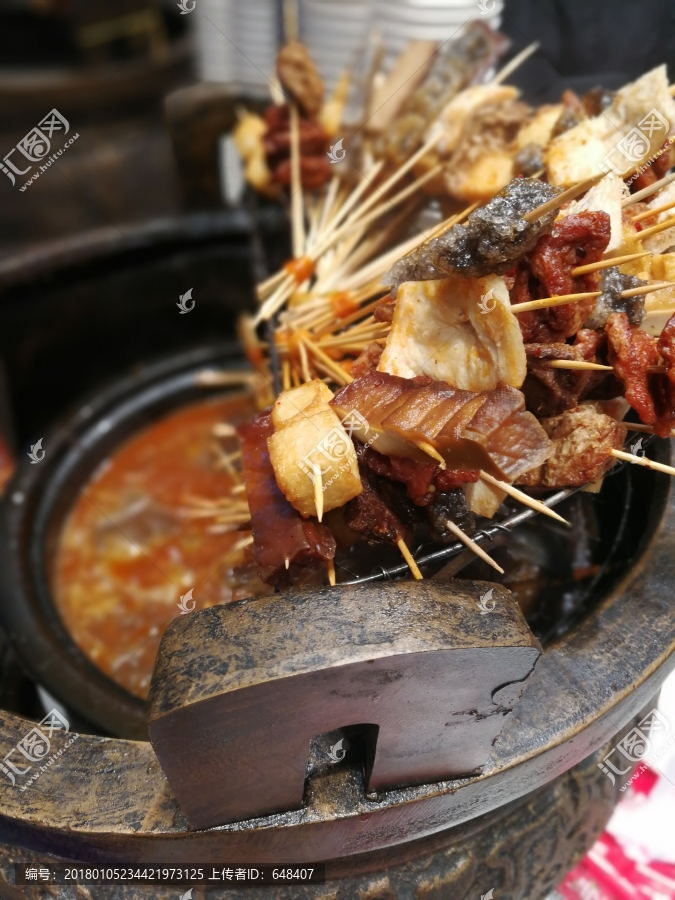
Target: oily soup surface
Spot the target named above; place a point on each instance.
(143, 532)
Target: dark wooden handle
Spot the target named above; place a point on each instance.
(422, 678)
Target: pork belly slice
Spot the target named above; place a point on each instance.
(490, 430)
(285, 546)
(309, 439)
(457, 330)
(582, 439)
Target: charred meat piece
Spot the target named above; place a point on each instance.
(299, 78)
(367, 360)
(597, 100)
(369, 516)
(529, 160)
(285, 546)
(549, 392)
(416, 476)
(631, 352)
(576, 240)
(422, 479)
(449, 505)
(612, 283)
(583, 439)
(656, 171)
(488, 430)
(495, 236)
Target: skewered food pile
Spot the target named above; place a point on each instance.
(425, 374)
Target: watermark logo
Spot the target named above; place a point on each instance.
(184, 10)
(488, 896)
(335, 448)
(37, 454)
(635, 145)
(486, 603)
(35, 147)
(484, 303)
(183, 305)
(185, 601)
(336, 153)
(636, 746)
(337, 752)
(636, 448)
(35, 746)
(485, 8)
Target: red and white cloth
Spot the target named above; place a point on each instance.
(635, 857)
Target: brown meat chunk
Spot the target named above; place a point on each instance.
(666, 383)
(422, 480)
(416, 476)
(384, 311)
(299, 78)
(367, 360)
(549, 392)
(547, 272)
(280, 534)
(582, 439)
(631, 352)
(315, 168)
(369, 516)
(655, 172)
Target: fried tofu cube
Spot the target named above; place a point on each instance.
(309, 441)
(458, 330)
(295, 401)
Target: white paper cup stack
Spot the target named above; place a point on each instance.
(238, 42)
(335, 31)
(401, 21)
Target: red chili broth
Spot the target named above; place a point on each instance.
(128, 552)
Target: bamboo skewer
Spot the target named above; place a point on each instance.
(643, 461)
(519, 495)
(297, 211)
(648, 191)
(334, 369)
(656, 229)
(563, 299)
(472, 545)
(654, 212)
(645, 429)
(576, 364)
(608, 263)
(558, 201)
(318, 492)
(546, 302)
(426, 447)
(304, 363)
(330, 570)
(515, 63)
(400, 172)
(408, 557)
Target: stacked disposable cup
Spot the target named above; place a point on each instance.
(401, 21)
(335, 32)
(238, 41)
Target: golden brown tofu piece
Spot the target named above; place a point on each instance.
(309, 439)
